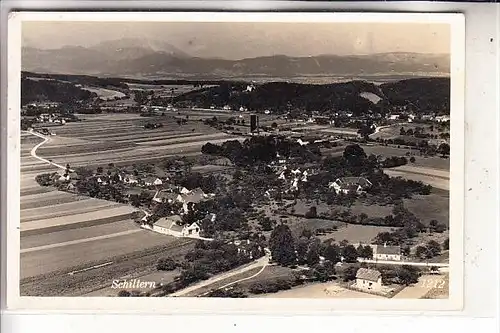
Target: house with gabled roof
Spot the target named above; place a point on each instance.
(151, 180)
(63, 178)
(193, 197)
(102, 180)
(130, 179)
(386, 252)
(350, 185)
(172, 226)
(73, 175)
(164, 196)
(184, 190)
(368, 279)
(132, 191)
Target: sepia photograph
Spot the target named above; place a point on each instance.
(243, 158)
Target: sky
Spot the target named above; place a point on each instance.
(246, 40)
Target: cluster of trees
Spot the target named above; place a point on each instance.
(288, 251)
(209, 258)
(227, 293)
(54, 91)
(420, 94)
(141, 97)
(116, 83)
(192, 180)
(273, 286)
(429, 250)
(408, 227)
(91, 188)
(404, 274)
(282, 97)
(150, 125)
(285, 97)
(258, 149)
(166, 264)
(419, 133)
(394, 161)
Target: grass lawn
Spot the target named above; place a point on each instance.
(356, 233)
(435, 162)
(303, 206)
(386, 150)
(370, 210)
(270, 273)
(435, 206)
(298, 224)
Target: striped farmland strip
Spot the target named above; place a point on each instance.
(76, 225)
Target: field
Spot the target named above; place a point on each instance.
(158, 277)
(436, 163)
(166, 89)
(430, 207)
(125, 141)
(436, 178)
(105, 94)
(63, 232)
(356, 233)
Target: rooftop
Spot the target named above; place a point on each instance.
(166, 195)
(170, 222)
(368, 274)
(150, 179)
(349, 181)
(192, 197)
(381, 249)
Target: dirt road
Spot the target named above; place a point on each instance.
(264, 261)
(436, 178)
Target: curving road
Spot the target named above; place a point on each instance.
(45, 140)
(264, 261)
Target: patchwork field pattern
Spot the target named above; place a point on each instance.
(122, 139)
(62, 232)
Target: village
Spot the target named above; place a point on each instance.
(171, 201)
(226, 191)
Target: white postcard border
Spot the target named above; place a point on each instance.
(246, 306)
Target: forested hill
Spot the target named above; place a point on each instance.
(52, 91)
(421, 95)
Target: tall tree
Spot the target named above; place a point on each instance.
(313, 252)
(444, 149)
(282, 246)
(350, 253)
(332, 253)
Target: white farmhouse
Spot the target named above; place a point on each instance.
(384, 252)
(184, 191)
(368, 279)
(442, 119)
(130, 179)
(102, 180)
(162, 196)
(302, 143)
(193, 197)
(171, 226)
(350, 184)
(150, 181)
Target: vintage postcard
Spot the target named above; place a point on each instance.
(187, 157)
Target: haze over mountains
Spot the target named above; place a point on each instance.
(141, 57)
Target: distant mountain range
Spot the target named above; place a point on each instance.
(129, 57)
